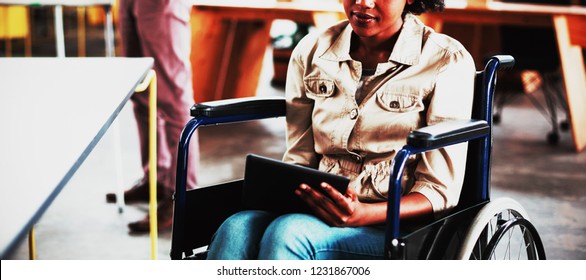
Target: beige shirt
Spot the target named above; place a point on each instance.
(428, 78)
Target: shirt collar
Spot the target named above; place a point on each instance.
(339, 50)
(407, 50)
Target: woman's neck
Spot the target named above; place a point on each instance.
(371, 52)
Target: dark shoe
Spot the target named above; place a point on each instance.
(164, 218)
(138, 194)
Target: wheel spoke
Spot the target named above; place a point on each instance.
(527, 244)
(508, 250)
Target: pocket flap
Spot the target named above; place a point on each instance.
(320, 87)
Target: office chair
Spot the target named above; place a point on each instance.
(538, 70)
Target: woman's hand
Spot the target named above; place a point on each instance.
(335, 208)
(345, 210)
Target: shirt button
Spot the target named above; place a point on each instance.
(395, 104)
(323, 88)
(353, 113)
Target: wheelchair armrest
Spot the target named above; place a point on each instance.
(447, 133)
(273, 106)
(418, 141)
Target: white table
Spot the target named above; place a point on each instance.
(53, 111)
(58, 5)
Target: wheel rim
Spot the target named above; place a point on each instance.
(508, 236)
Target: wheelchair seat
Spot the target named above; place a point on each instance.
(478, 228)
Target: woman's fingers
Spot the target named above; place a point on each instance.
(342, 201)
(325, 206)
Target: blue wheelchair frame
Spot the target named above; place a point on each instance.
(193, 228)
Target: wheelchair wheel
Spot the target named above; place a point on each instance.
(502, 231)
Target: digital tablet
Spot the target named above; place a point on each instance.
(270, 184)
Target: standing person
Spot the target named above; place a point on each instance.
(354, 91)
(160, 29)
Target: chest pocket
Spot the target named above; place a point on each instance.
(399, 101)
(319, 87)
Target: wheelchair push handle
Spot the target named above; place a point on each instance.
(504, 61)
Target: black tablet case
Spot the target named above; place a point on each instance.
(270, 184)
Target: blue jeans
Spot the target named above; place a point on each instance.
(266, 236)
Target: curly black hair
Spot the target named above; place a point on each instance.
(421, 6)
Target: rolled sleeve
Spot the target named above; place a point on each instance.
(440, 173)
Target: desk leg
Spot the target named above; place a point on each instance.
(59, 33)
(207, 38)
(109, 32)
(81, 31)
(150, 82)
(153, 163)
(572, 62)
(32, 250)
(115, 129)
(8, 45)
(225, 61)
(28, 42)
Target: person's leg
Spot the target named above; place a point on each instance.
(132, 47)
(176, 109)
(239, 236)
(305, 237)
(164, 32)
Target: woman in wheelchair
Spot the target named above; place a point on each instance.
(354, 92)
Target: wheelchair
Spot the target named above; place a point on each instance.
(478, 228)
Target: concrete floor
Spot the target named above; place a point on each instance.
(549, 181)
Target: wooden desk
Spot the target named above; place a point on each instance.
(568, 23)
(53, 111)
(230, 39)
